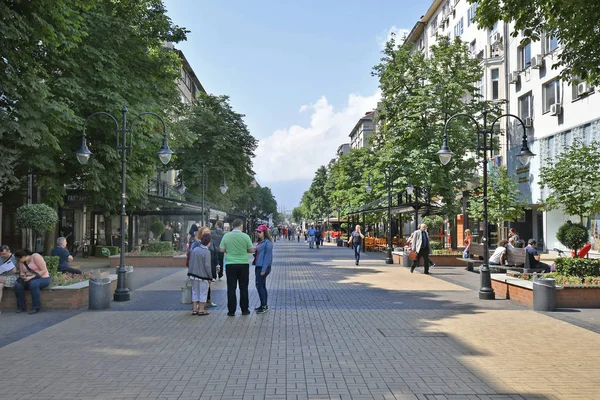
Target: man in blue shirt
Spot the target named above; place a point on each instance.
(311, 236)
(534, 257)
(64, 257)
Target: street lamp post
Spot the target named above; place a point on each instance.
(486, 292)
(369, 188)
(83, 156)
(223, 188)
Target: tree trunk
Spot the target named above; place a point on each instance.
(108, 229)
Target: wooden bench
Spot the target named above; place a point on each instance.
(476, 251)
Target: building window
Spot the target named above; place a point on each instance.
(471, 13)
(473, 47)
(434, 25)
(524, 56)
(551, 94)
(550, 43)
(495, 84)
(479, 87)
(458, 28)
(526, 106)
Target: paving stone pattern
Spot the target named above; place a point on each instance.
(335, 331)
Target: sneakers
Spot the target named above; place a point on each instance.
(262, 310)
(34, 311)
(211, 304)
(356, 262)
(246, 312)
(231, 314)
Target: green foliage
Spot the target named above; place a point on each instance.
(574, 23)
(504, 201)
(435, 245)
(580, 267)
(573, 180)
(39, 217)
(64, 63)
(108, 251)
(159, 247)
(573, 236)
(418, 94)
(434, 223)
(157, 228)
(446, 252)
(298, 214)
(217, 136)
(66, 279)
(52, 264)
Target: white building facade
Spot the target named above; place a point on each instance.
(359, 137)
(520, 76)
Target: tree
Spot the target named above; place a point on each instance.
(573, 236)
(573, 180)
(504, 200)
(38, 217)
(316, 199)
(218, 138)
(299, 214)
(573, 22)
(418, 95)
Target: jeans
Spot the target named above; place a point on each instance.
(70, 270)
(261, 284)
(357, 252)
(34, 285)
(237, 273)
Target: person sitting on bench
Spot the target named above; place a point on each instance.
(64, 257)
(499, 256)
(534, 257)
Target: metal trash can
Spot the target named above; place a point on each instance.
(544, 294)
(186, 292)
(100, 294)
(128, 276)
(406, 261)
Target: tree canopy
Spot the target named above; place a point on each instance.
(573, 22)
(573, 179)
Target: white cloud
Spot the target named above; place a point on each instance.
(399, 34)
(296, 152)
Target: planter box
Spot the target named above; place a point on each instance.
(440, 261)
(150, 261)
(73, 297)
(521, 291)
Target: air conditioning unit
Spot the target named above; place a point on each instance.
(537, 61)
(514, 77)
(555, 109)
(528, 122)
(584, 88)
(496, 37)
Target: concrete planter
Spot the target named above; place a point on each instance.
(521, 291)
(150, 261)
(441, 261)
(72, 297)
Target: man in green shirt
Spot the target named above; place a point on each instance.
(236, 245)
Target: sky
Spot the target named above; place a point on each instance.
(299, 70)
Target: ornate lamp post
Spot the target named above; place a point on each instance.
(368, 189)
(223, 188)
(485, 292)
(123, 145)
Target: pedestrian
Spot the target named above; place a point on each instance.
(33, 275)
(299, 233)
(534, 257)
(422, 245)
(217, 235)
(236, 245)
(311, 236)
(263, 258)
(467, 242)
(64, 257)
(357, 238)
(8, 269)
(200, 273)
(214, 260)
(318, 236)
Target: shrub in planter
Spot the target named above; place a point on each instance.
(52, 264)
(573, 236)
(159, 247)
(157, 228)
(577, 266)
(433, 222)
(435, 245)
(38, 217)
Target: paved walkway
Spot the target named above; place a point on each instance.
(335, 331)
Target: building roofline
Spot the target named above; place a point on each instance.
(190, 70)
(419, 27)
(367, 116)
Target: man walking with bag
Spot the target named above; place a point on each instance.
(236, 245)
(422, 246)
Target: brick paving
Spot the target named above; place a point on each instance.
(335, 331)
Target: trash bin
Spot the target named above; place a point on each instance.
(406, 261)
(544, 294)
(100, 295)
(128, 276)
(339, 242)
(186, 292)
